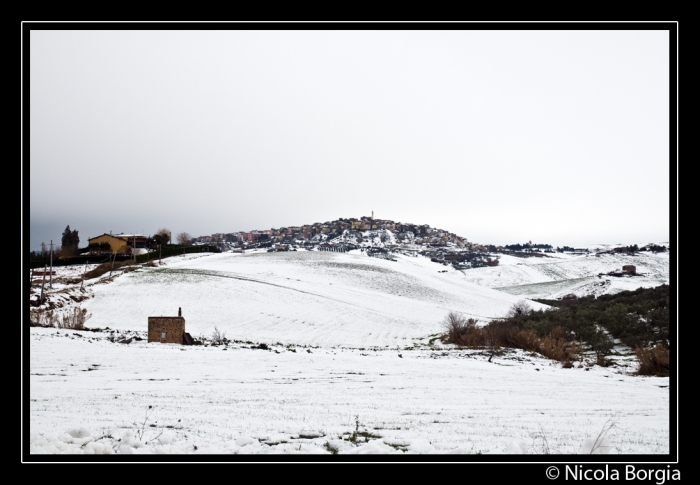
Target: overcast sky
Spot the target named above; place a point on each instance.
(557, 137)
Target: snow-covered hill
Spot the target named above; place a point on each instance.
(302, 297)
(352, 363)
(561, 273)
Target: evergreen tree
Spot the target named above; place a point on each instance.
(162, 237)
(66, 237)
(70, 240)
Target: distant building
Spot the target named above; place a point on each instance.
(166, 330)
(121, 243)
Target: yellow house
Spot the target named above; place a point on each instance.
(119, 242)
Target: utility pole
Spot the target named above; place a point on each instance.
(133, 248)
(51, 273)
(111, 252)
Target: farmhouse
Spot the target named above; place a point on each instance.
(120, 243)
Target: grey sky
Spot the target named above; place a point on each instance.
(557, 137)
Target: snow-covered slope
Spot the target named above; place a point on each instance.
(303, 297)
(351, 346)
(560, 273)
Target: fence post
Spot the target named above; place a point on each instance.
(51, 260)
(43, 279)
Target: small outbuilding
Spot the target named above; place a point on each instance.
(167, 330)
(629, 269)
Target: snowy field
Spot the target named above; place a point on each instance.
(305, 297)
(352, 364)
(560, 273)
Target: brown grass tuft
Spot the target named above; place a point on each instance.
(557, 345)
(654, 361)
(42, 317)
(104, 268)
(75, 319)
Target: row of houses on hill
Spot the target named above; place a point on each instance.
(330, 229)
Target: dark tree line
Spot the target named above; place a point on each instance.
(519, 247)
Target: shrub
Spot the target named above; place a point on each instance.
(522, 307)
(106, 267)
(568, 300)
(43, 318)
(558, 344)
(218, 337)
(457, 325)
(75, 319)
(654, 361)
(638, 318)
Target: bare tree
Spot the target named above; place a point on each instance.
(521, 307)
(456, 325)
(218, 337)
(184, 239)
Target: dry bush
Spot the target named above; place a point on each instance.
(67, 281)
(105, 268)
(457, 325)
(218, 337)
(43, 318)
(524, 339)
(653, 362)
(99, 271)
(75, 319)
(475, 338)
(522, 307)
(557, 345)
(602, 361)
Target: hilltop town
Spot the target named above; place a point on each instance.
(376, 237)
(348, 232)
(384, 237)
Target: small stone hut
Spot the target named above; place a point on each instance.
(629, 269)
(166, 330)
